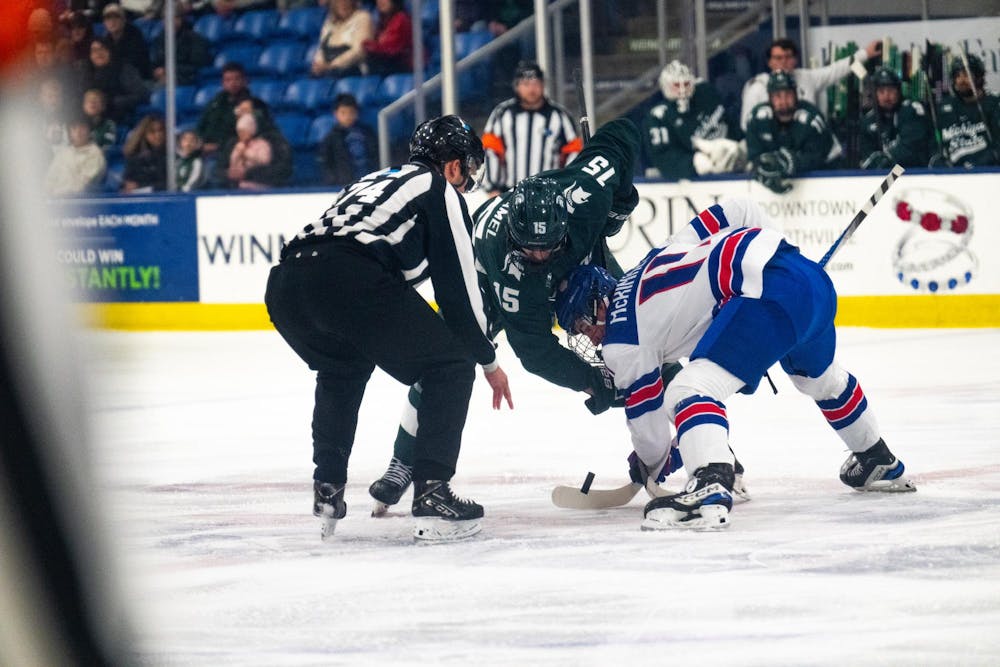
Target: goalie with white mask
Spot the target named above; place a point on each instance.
(732, 295)
(688, 134)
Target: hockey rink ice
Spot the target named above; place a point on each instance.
(201, 448)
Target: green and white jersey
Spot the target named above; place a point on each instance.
(667, 133)
(964, 133)
(904, 135)
(807, 137)
(520, 298)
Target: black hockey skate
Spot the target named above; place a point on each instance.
(328, 505)
(441, 516)
(875, 469)
(704, 504)
(388, 489)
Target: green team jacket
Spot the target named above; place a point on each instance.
(807, 137)
(964, 132)
(667, 132)
(520, 299)
(904, 135)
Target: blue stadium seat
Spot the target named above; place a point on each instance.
(303, 23)
(271, 91)
(401, 124)
(362, 87)
(282, 60)
(319, 128)
(306, 170)
(392, 88)
(245, 53)
(294, 125)
(470, 80)
(467, 42)
(184, 96)
(115, 175)
(255, 25)
(309, 95)
(205, 94)
(214, 28)
(151, 29)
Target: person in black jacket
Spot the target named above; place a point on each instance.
(192, 50)
(127, 42)
(343, 297)
(120, 82)
(349, 151)
(145, 154)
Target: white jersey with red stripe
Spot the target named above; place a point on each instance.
(662, 307)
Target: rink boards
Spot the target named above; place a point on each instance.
(925, 257)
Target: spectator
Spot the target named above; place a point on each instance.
(103, 130)
(286, 5)
(226, 8)
(787, 136)
(969, 119)
(258, 157)
(191, 49)
(527, 133)
(146, 157)
(46, 60)
(189, 164)
(79, 166)
(142, 9)
(126, 41)
(391, 51)
(348, 152)
(80, 32)
(504, 15)
(119, 81)
(346, 28)
(894, 131)
(784, 55)
(52, 112)
(688, 134)
(470, 15)
(217, 124)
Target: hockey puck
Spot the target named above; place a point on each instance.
(587, 482)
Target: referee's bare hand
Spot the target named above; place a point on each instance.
(501, 388)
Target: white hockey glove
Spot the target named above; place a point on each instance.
(703, 164)
(724, 154)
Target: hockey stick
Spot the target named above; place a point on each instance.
(975, 94)
(586, 498)
(848, 232)
(581, 100)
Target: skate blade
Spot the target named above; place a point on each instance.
(711, 517)
(327, 527)
(898, 485)
(431, 529)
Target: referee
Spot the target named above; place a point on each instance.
(527, 133)
(344, 298)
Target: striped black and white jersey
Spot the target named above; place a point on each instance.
(521, 143)
(412, 221)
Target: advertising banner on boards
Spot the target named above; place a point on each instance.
(129, 249)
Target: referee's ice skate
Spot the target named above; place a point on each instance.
(328, 505)
(875, 469)
(388, 489)
(440, 515)
(703, 505)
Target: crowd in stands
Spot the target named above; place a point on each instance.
(277, 92)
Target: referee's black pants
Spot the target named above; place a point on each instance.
(344, 314)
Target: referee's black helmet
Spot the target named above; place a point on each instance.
(440, 140)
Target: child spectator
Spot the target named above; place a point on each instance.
(103, 130)
(79, 166)
(249, 151)
(391, 51)
(190, 165)
(146, 157)
(341, 38)
(348, 152)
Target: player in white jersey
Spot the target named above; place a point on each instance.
(732, 295)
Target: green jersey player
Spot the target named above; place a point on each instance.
(970, 120)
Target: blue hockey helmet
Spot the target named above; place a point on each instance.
(586, 286)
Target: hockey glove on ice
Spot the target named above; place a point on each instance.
(605, 395)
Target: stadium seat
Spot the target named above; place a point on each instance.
(255, 25)
(303, 24)
(467, 42)
(306, 170)
(391, 89)
(214, 28)
(319, 128)
(184, 96)
(151, 29)
(114, 176)
(362, 87)
(270, 91)
(205, 94)
(308, 95)
(244, 53)
(282, 60)
(294, 125)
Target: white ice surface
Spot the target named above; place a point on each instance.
(202, 446)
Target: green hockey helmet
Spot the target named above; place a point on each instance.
(883, 77)
(975, 66)
(780, 80)
(538, 215)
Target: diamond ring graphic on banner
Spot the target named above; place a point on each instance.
(933, 254)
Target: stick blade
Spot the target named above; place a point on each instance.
(570, 497)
